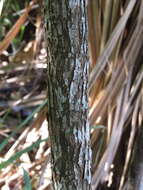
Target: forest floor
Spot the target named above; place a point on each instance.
(24, 145)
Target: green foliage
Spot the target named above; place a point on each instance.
(2, 119)
(98, 127)
(19, 38)
(17, 155)
(27, 181)
(13, 150)
(10, 13)
(5, 142)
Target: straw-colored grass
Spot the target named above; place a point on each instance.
(115, 88)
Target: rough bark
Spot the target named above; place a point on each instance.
(67, 94)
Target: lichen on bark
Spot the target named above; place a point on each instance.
(67, 94)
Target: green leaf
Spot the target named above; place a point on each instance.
(5, 142)
(98, 127)
(27, 181)
(17, 40)
(20, 153)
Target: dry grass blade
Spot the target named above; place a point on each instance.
(135, 44)
(94, 30)
(136, 87)
(36, 124)
(115, 14)
(106, 25)
(14, 30)
(110, 93)
(1, 6)
(123, 106)
(119, 76)
(131, 141)
(106, 161)
(122, 115)
(126, 77)
(103, 59)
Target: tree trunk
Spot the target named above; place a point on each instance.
(67, 94)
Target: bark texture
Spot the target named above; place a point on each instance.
(67, 94)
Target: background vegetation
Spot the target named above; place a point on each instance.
(115, 95)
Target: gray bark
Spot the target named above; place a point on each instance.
(67, 94)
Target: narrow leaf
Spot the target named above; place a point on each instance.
(5, 142)
(103, 59)
(27, 181)
(20, 153)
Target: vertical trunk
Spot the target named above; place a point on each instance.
(67, 94)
